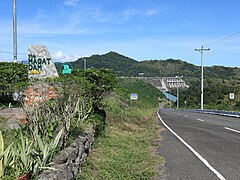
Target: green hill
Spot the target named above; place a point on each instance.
(125, 66)
(112, 60)
(164, 68)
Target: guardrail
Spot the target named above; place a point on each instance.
(219, 112)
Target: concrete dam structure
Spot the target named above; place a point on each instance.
(165, 83)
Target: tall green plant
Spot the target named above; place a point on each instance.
(28, 155)
(1, 153)
(8, 160)
(17, 158)
(43, 151)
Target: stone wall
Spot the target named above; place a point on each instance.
(69, 161)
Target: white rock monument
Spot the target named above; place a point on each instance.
(40, 63)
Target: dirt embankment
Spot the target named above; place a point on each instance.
(14, 116)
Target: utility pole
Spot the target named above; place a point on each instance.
(201, 51)
(85, 68)
(14, 32)
(170, 100)
(85, 64)
(178, 84)
(177, 97)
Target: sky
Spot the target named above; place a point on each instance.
(139, 29)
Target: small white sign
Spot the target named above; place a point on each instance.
(231, 95)
(133, 96)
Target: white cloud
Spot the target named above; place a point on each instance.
(39, 14)
(72, 3)
(132, 11)
(151, 12)
(59, 56)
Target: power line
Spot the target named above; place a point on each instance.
(232, 36)
(8, 52)
(22, 56)
(5, 52)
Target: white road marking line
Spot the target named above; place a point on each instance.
(200, 119)
(186, 115)
(193, 151)
(232, 130)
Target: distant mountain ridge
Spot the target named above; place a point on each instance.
(111, 60)
(125, 66)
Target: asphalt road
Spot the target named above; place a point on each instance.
(215, 138)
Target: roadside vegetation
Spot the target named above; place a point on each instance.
(53, 124)
(124, 147)
(13, 78)
(216, 94)
(126, 150)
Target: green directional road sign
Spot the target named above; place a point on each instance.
(66, 69)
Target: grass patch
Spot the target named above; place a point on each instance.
(147, 94)
(127, 149)
(3, 123)
(125, 152)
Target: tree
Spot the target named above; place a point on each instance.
(97, 82)
(13, 77)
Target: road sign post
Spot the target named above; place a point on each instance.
(231, 96)
(134, 97)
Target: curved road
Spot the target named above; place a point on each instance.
(215, 138)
